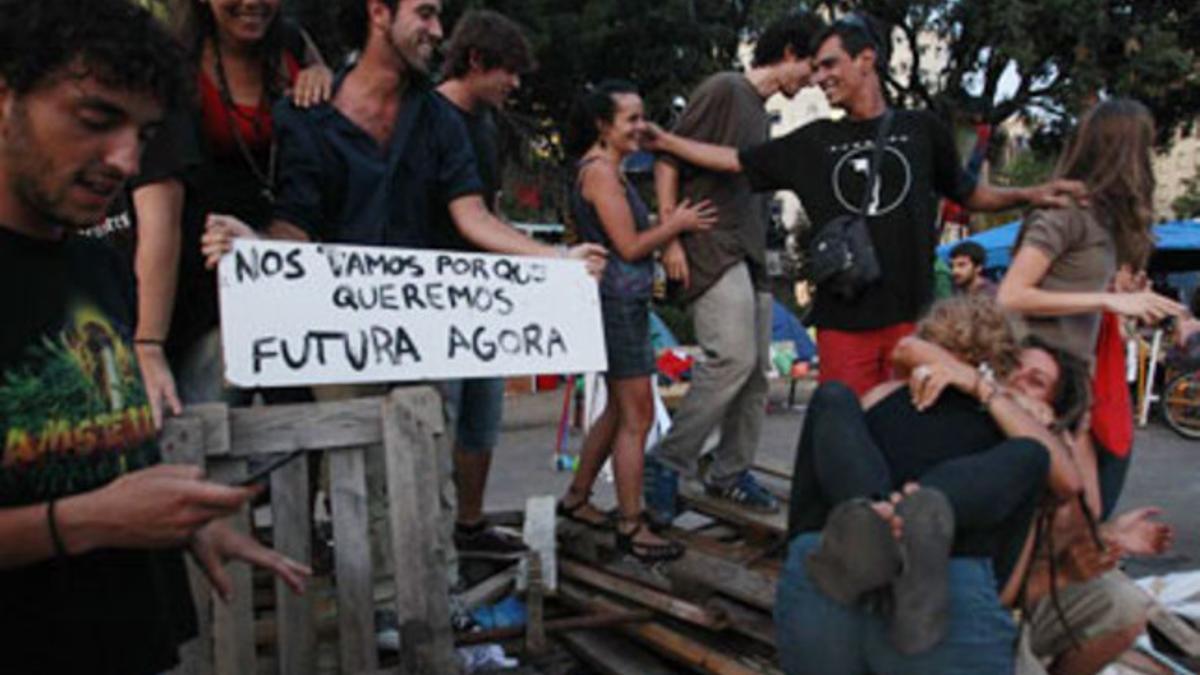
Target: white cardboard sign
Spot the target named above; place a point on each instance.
(305, 314)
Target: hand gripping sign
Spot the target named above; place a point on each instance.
(307, 314)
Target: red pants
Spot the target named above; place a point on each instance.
(859, 359)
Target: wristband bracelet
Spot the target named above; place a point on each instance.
(148, 341)
(60, 551)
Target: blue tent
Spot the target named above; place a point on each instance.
(785, 326)
(1178, 245)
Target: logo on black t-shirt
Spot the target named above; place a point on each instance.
(73, 412)
(891, 185)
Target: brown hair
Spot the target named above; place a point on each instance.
(975, 330)
(1110, 154)
(495, 39)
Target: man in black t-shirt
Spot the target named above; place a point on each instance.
(485, 57)
(826, 163)
(92, 524)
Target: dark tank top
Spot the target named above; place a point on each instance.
(622, 279)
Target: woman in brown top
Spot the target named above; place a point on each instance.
(1059, 280)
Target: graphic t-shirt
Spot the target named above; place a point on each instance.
(827, 163)
(73, 417)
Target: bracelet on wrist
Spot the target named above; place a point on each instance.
(60, 550)
(149, 341)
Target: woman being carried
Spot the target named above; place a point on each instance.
(966, 436)
(606, 125)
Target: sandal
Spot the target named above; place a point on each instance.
(572, 513)
(646, 552)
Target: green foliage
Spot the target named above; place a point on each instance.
(666, 47)
(1060, 54)
(1187, 205)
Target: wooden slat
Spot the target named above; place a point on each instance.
(744, 620)
(695, 571)
(182, 442)
(233, 623)
(291, 517)
(670, 643)
(411, 418)
(648, 597)
(610, 654)
(348, 497)
(312, 426)
(769, 523)
(489, 590)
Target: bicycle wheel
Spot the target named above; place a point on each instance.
(1181, 404)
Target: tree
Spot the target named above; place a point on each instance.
(1003, 57)
(1187, 205)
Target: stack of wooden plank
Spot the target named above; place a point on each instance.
(710, 610)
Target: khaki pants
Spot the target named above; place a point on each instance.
(729, 386)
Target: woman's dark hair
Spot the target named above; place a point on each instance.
(193, 25)
(116, 41)
(496, 40)
(594, 105)
(1073, 391)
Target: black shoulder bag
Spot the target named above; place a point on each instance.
(841, 257)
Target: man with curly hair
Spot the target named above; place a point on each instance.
(93, 525)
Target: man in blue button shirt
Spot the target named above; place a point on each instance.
(378, 164)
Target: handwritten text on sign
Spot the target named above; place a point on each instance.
(296, 314)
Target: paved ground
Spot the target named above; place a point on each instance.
(1165, 470)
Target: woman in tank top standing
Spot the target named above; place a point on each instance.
(605, 126)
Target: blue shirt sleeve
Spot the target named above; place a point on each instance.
(300, 186)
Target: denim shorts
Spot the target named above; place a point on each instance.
(476, 406)
(627, 336)
(818, 635)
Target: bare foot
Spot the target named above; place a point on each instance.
(887, 511)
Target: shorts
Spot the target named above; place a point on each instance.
(1106, 604)
(476, 406)
(627, 337)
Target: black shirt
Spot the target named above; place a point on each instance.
(338, 184)
(826, 164)
(73, 417)
(481, 128)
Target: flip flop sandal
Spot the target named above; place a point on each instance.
(921, 594)
(857, 553)
(648, 553)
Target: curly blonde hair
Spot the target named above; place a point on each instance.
(974, 328)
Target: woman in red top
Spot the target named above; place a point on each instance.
(246, 57)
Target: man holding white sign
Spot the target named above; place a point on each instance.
(375, 166)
